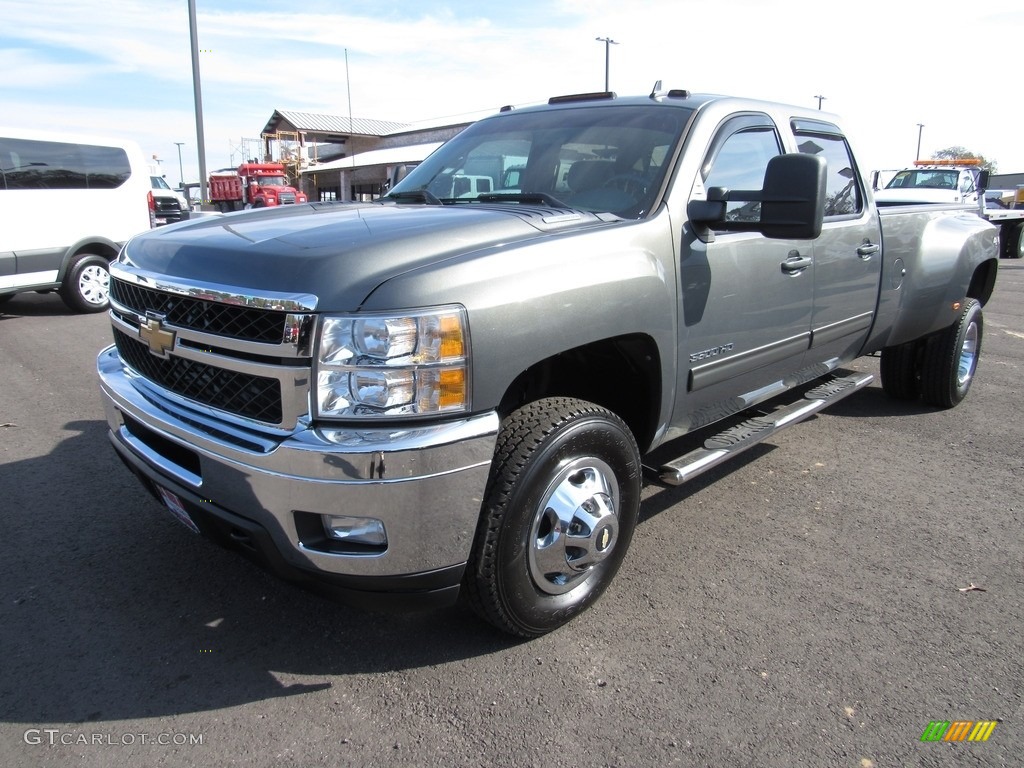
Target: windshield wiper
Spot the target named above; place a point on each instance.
(415, 196)
(534, 198)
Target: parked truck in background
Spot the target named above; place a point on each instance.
(252, 185)
(933, 181)
(1005, 209)
(959, 182)
(436, 394)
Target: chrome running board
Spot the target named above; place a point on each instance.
(733, 441)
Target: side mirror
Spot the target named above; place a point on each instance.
(793, 205)
(983, 181)
(792, 202)
(399, 172)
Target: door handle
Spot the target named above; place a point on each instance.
(796, 263)
(867, 250)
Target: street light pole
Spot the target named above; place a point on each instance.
(181, 172)
(198, 95)
(820, 99)
(608, 43)
(920, 127)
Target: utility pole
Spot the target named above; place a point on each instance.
(198, 95)
(608, 43)
(181, 172)
(920, 127)
(820, 99)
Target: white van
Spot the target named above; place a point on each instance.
(67, 205)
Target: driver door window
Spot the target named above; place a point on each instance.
(739, 161)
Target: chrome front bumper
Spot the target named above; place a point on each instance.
(425, 483)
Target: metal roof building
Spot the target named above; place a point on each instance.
(329, 125)
(336, 157)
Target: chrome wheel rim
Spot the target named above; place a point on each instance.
(94, 285)
(576, 525)
(968, 357)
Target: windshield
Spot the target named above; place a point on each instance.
(601, 159)
(924, 180)
(270, 181)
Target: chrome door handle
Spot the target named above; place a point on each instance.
(867, 250)
(796, 263)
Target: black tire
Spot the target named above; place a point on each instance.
(86, 285)
(1016, 249)
(557, 517)
(5, 297)
(901, 371)
(951, 358)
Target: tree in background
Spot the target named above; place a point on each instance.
(962, 153)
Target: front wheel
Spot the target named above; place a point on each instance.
(951, 358)
(86, 285)
(557, 517)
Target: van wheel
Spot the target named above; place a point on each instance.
(557, 518)
(951, 358)
(86, 286)
(900, 368)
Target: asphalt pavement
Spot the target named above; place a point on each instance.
(819, 602)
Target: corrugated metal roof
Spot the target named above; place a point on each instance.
(391, 156)
(335, 124)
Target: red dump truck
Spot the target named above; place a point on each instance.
(252, 185)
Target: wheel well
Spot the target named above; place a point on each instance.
(983, 281)
(99, 249)
(91, 247)
(622, 374)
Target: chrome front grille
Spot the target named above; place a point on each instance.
(245, 355)
(199, 314)
(243, 394)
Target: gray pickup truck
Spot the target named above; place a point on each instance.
(450, 391)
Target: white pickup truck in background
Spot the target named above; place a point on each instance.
(959, 182)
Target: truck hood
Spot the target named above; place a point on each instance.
(917, 195)
(337, 252)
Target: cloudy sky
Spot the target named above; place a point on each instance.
(123, 67)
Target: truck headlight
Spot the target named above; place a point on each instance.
(394, 364)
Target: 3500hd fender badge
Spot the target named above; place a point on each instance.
(696, 357)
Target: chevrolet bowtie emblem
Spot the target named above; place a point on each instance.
(160, 341)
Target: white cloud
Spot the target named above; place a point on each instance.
(878, 64)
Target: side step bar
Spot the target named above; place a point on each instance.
(735, 440)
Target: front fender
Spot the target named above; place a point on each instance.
(530, 301)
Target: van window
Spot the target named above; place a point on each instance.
(29, 164)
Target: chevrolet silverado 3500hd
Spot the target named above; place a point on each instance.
(442, 391)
